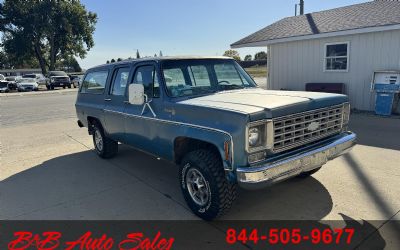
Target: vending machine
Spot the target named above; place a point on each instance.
(386, 85)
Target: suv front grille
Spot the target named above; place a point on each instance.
(299, 129)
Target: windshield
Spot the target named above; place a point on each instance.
(203, 76)
(23, 80)
(29, 76)
(57, 73)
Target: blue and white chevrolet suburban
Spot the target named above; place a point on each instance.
(207, 115)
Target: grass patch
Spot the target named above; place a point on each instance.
(257, 71)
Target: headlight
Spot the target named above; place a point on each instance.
(346, 113)
(52, 80)
(254, 136)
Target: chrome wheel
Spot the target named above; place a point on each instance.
(98, 139)
(198, 187)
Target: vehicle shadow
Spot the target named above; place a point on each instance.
(376, 131)
(135, 185)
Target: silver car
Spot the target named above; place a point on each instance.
(27, 84)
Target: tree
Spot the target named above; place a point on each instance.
(155, 55)
(248, 58)
(232, 53)
(119, 59)
(69, 63)
(47, 30)
(161, 54)
(137, 54)
(108, 62)
(113, 60)
(260, 56)
(4, 61)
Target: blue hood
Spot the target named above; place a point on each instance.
(261, 104)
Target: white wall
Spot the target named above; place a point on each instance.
(293, 64)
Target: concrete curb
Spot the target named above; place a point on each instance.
(36, 93)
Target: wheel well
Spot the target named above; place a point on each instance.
(92, 120)
(184, 145)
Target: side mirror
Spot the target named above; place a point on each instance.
(136, 94)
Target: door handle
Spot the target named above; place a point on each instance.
(107, 99)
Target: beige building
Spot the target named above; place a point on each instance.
(343, 45)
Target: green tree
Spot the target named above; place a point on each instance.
(260, 55)
(248, 58)
(47, 30)
(69, 64)
(137, 54)
(4, 61)
(232, 53)
(119, 59)
(108, 62)
(113, 60)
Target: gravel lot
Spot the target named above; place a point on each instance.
(49, 171)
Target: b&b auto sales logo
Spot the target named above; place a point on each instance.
(53, 240)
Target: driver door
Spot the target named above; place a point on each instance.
(141, 124)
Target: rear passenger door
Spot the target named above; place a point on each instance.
(115, 101)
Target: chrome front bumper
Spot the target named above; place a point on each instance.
(267, 174)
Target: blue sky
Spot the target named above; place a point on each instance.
(184, 27)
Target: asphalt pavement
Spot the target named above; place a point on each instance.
(48, 170)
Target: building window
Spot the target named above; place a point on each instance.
(336, 57)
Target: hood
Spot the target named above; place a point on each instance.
(262, 103)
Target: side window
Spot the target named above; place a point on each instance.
(147, 75)
(120, 80)
(94, 82)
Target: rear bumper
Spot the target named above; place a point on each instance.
(267, 174)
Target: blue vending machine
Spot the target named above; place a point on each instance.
(386, 85)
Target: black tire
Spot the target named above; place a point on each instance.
(109, 147)
(47, 87)
(222, 193)
(63, 87)
(309, 173)
(51, 87)
(69, 86)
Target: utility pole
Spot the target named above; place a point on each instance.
(301, 7)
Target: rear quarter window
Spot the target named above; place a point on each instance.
(95, 82)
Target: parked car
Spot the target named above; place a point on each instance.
(12, 82)
(75, 80)
(58, 79)
(27, 84)
(212, 120)
(40, 78)
(4, 87)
